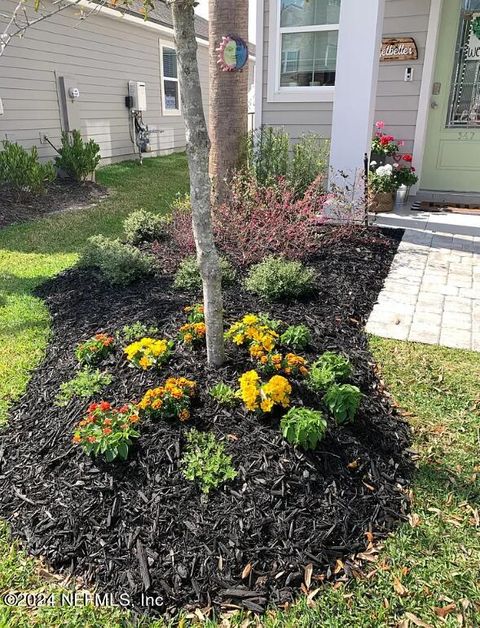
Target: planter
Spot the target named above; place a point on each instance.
(380, 202)
(403, 193)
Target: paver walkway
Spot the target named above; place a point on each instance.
(432, 293)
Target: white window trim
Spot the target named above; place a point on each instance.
(275, 93)
(165, 111)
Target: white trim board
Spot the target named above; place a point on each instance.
(258, 71)
(275, 93)
(429, 62)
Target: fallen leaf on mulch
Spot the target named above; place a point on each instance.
(308, 575)
(414, 520)
(246, 571)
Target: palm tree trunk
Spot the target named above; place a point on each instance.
(198, 160)
(228, 113)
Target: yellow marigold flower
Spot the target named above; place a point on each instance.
(157, 404)
(239, 339)
(144, 363)
(250, 319)
(266, 405)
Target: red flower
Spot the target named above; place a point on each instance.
(104, 406)
(124, 409)
(408, 158)
(92, 407)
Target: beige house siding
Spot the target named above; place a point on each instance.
(296, 117)
(397, 100)
(103, 54)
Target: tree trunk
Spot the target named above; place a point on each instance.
(228, 112)
(198, 159)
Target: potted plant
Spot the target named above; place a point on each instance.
(383, 145)
(405, 177)
(382, 186)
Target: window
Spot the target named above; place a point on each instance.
(170, 87)
(464, 110)
(304, 51)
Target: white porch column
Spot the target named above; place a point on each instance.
(360, 35)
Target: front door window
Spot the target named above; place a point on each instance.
(464, 109)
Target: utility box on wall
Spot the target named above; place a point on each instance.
(69, 101)
(138, 94)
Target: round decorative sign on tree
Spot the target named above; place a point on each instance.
(232, 54)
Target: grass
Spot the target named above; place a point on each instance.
(32, 252)
(428, 568)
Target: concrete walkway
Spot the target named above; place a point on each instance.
(432, 293)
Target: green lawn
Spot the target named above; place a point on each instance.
(429, 567)
(32, 252)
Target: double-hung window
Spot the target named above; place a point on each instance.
(170, 86)
(303, 49)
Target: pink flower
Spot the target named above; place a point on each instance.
(401, 143)
(380, 124)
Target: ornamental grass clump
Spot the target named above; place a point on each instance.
(149, 353)
(343, 401)
(277, 278)
(257, 395)
(107, 431)
(95, 349)
(206, 462)
(304, 427)
(170, 401)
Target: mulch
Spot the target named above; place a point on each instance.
(61, 195)
(140, 527)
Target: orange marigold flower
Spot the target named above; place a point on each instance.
(77, 439)
(91, 439)
(134, 418)
(107, 422)
(82, 423)
(107, 431)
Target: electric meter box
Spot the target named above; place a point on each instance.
(138, 93)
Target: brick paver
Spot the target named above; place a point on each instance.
(432, 292)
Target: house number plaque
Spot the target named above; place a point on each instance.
(399, 49)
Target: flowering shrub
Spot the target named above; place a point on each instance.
(149, 353)
(94, 350)
(383, 143)
(106, 430)
(251, 332)
(264, 396)
(291, 364)
(170, 401)
(405, 175)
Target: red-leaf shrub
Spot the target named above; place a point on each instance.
(179, 242)
(262, 220)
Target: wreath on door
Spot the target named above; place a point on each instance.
(476, 26)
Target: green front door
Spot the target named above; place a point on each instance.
(452, 155)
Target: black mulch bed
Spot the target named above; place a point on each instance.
(60, 195)
(140, 526)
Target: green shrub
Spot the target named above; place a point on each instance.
(142, 226)
(206, 462)
(188, 276)
(119, 263)
(77, 158)
(343, 401)
(328, 369)
(21, 170)
(225, 395)
(277, 278)
(181, 203)
(304, 427)
(85, 384)
(137, 331)
(296, 337)
(271, 154)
